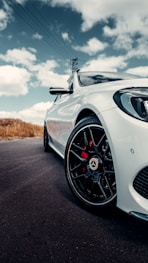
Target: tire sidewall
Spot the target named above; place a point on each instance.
(78, 127)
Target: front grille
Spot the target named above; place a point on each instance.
(141, 183)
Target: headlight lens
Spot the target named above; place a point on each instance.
(133, 101)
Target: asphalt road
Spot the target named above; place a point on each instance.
(40, 221)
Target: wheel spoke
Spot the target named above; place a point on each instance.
(85, 139)
(91, 171)
(100, 141)
(78, 176)
(102, 190)
(78, 147)
(96, 145)
(75, 167)
(109, 172)
(108, 185)
(78, 157)
(93, 141)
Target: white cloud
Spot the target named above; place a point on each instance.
(103, 63)
(140, 50)
(129, 18)
(35, 114)
(8, 114)
(130, 15)
(46, 75)
(20, 56)
(50, 78)
(37, 36)
(13, 81)
(17, 78)
(89, 10)
(92, 46)
(5, 15)
(66, 37)
(125, 23)
(21, 2)
(123, 41)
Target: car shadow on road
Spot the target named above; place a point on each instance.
(116, 221)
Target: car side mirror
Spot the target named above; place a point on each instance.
(59, 91)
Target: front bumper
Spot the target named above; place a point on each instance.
(139, 215)
(128, 138)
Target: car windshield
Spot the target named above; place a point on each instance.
(92, 78)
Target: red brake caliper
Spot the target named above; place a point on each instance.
(85, 155)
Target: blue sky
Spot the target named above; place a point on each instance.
(38, 39)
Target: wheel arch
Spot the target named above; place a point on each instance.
(85, 113)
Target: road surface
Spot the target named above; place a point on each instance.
(40, 220)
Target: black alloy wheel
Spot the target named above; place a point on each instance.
(89, 165)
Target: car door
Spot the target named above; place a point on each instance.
(60, 119)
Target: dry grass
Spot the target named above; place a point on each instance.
(15, 128)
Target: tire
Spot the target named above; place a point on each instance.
(89, 165)
(46, 141)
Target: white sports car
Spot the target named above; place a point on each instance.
(99, 125)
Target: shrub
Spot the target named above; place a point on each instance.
(15, 128)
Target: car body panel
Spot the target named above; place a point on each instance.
(127, 136)
(130, 153)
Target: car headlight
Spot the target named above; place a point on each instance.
(133, 101)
